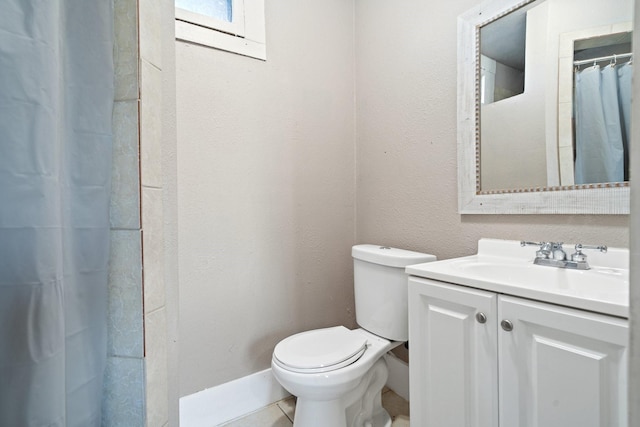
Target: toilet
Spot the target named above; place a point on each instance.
(337, 373)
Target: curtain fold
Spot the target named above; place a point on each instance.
(603, 103)
(56, 101)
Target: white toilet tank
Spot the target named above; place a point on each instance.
(380, 286)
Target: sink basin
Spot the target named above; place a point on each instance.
(528, 274)
(504, 266)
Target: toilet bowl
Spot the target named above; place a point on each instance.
(331, 370)
(338, 374)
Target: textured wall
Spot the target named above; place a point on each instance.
(406, 140)
(265, 191)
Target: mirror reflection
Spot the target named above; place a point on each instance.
(554, 95)
(502, 57)
(602, 104)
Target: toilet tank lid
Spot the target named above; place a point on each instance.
(390, 257)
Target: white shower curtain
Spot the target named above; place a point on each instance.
(56, 100)
(603, 103)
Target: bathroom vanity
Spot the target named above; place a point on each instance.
(498, 341)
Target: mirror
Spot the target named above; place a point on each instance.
(521, 148)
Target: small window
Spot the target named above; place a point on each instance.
(232, 25)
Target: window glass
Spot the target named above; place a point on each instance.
(218, 9)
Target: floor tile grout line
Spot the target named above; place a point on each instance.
(282, 409)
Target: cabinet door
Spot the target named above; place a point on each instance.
(561, 367)
(453, 356)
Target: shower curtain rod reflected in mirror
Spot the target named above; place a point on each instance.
(603, 58)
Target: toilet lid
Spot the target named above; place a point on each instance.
(320, 350)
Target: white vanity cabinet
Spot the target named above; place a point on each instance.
(483, 359)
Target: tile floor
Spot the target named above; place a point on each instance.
(280, 414)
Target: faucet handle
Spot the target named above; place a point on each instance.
(545, 250)
(579, 256)
(601, 248)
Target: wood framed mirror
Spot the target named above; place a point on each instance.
(513, 164)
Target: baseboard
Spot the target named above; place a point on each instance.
(398, 380)
(225, 402)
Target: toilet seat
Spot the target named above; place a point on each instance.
(320, 350)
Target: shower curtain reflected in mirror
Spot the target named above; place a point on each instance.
(602, 123)
(56, 100)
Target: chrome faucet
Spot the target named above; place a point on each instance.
(552, 254)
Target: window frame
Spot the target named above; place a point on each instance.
(245, 35)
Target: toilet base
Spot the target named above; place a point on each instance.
(323, 414)
(361, 407)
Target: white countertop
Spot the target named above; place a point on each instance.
(503, 266)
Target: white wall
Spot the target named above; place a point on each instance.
(266, 186)
(265, 191)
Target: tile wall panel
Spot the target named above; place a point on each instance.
(156, 368)
(123, 400)
(126, 49)
(150, 125)
(150, 32)
(152, 221)
(125, 317)
(125, 183)
(153, 243)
